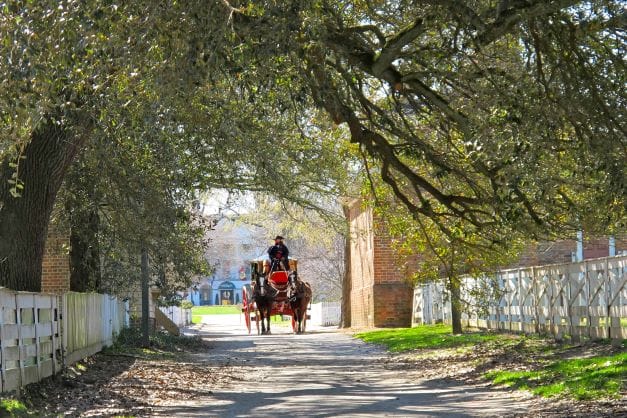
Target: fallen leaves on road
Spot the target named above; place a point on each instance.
(110, 385)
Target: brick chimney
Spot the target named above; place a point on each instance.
(380, 295)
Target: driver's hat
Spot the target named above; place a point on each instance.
(278, 237)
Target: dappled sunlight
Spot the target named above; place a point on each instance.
(327, 373)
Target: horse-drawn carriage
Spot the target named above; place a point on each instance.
(277, 293)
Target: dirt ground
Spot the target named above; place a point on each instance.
(323, 373)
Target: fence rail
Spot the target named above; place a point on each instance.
(90, 322)
(29, 336)
(40, 333)
(181, 317)
(586, 299)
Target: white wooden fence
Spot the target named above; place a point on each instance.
(90, 322)
(181, 317)
(326, 313)
(585, 299)
(40, 333)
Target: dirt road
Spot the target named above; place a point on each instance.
(325, 373)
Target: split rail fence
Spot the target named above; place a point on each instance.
(40, 333)
(581, 300)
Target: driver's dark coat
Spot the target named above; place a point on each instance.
(279, 251)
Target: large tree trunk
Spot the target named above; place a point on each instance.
(347, 282)
(85, 272)
(24, 220)
(456, 304)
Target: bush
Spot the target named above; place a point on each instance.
(185, 304)
(130, 339)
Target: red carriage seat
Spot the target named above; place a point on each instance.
(279, 277)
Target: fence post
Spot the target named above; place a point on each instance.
(64, 328)
(18, 321)
(607, 298)
(588, 299)
(575, 317)
(54, 319)
(37, 346)
(503, 287)
(536, 298)
(552, 313)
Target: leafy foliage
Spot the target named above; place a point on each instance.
(504, 116)
(472, 112)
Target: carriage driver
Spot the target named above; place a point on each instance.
(278, 252)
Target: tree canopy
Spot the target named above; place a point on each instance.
(507, 113)
(486, 117)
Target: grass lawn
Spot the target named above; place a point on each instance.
(13, 408)
(426, 336)
(199, 311)
(548, 369)
(278, 319)
(582, 378)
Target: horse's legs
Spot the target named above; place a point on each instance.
(303, 312)
(263, 326)
(269, 316)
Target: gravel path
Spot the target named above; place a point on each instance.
(325, 373)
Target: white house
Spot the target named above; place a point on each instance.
(231, 248)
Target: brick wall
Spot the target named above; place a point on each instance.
(557, 252)
(380, 296)
(55, 275)
(392, 304)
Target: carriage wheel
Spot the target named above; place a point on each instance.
(246, 305)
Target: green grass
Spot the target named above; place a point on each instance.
(215, 310)
(584, 379)
(13, 408)
(199, 311)
(426, 336)
(278, 319)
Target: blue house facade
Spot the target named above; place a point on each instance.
(232, 248)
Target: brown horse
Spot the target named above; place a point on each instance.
(299, 295)
(263, 295)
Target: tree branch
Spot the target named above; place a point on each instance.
(393, 47)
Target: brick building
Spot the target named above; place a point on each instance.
(381, 297)
(567, 251)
